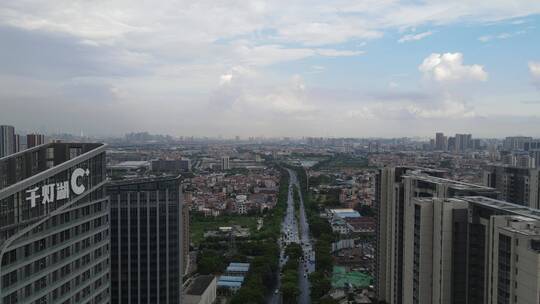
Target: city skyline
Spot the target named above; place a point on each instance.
(340, 69)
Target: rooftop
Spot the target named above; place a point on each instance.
(451, 183)
(345, 213)
(341, 278)
(502, 205)
(42, 161)
(131, 164)
(200, 284)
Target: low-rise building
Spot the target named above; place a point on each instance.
(202, 290)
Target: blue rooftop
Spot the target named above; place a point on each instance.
(229, 284)
(231, 278)
(237, 269)
(239, 264)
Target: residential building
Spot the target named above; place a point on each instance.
(531, 145)
(54, 225)
(463, 142)
(471, 250)
(441, 142)
(395, 188)
(7, 136)
(517, 185)
(516, 142)
(146, 240)
(225, 165)
(33, 140)
(16, 143)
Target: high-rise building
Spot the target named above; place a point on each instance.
(395, 188)
(225, 165)
(146, 240)
(531, 145)
(470, 250)
(524, 161)
(515, 142)
(33, 140)
(7, 136)
(451, 144)
(186, 239)
(16, 143)
(517, 185)
(463, 142)
(476, 144)
(54, 225)
(434, 230)
(441, 142)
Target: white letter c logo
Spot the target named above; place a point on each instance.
(75, 187)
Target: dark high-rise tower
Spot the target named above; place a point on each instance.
(7, 137)
(146, 237)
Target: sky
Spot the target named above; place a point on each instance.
(332, 68)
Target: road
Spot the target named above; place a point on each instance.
(296, 232)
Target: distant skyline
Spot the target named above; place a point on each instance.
(344, 68)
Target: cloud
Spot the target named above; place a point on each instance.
(449, 67)
(534, 70)
(323, 33)
(501, 36)
(227, 63)
(415, 37)
(338, 53)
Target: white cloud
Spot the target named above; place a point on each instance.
(501, 36)
(415, 37)
(449, 67)
(338, 53)
(447, 109)
(534, 69)
(170, 54)
(225, 79)
(323, 33)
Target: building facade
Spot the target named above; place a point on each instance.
(395, 189)
(146, 241)
(186, 239)
(7, 137)
(441, 142)
(33, 140)
(225, 164)
(517, 185)
(54, 225)
(174, 166)
(472, 250)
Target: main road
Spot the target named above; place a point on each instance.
(296, 231)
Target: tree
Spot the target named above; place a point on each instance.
(365, 210)
(290, 292)
(320, 285)
(293, 251)
(210, 262)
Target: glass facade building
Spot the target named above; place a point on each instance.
(54, 225)
(146, 241)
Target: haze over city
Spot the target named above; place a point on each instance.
(271, 68)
